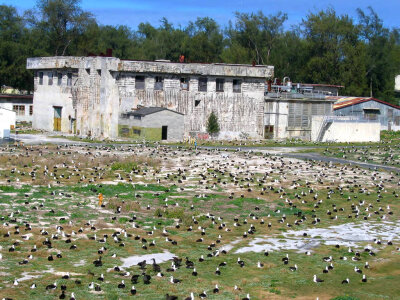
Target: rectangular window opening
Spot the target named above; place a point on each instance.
(185, 83)
(50, 74)
(40, 78)
(139, 82)
(196, 103)
(220, 84)
(136, 131)
(137, 117)
(59, 80)
(202, 84)
(158, 84)
(69, 79)
(30, 110)
(237, 86)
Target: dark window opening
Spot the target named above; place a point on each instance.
(137, 117)
(139, 82)
(371, 114)
(158, 84)
(59, 79)
(136, 131)
(30, 110)
(50, 74)
(69, 79)
(237, 86)
(202, 84)
(99, 72)
(184, 83)
(196, 103)
(40, 78)
(164, 133)
(220, 84)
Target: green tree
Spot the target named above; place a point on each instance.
(334, 52)
(212, 124)
(61, 22)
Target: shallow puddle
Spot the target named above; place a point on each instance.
(347, 235)
(134, 260)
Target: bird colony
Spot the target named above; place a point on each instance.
(126, 222)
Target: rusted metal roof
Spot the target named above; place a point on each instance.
(342, 102)
(16, 96)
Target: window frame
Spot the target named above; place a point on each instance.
(219, 85)
(184, 81)
(50, 76)
(203, 81)
(139, 84)
(69, 79)
(59, 78)
(41, 78)
(30, 110)
(234, 86)
(158, 83)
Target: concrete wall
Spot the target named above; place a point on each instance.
(46, 97)
(150, 126)
(347, 131)
(7, 119)
(104, 88)
(387, 121)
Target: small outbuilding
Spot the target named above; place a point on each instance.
(21, 104)
(152, 123)
(369, 109)
(7, 122)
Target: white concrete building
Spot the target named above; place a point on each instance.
(7, 122)
(88, 95)
(21, 104)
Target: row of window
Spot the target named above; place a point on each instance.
(20, 110)
(51, 75)
(184, 82)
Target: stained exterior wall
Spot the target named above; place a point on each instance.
(104, 88)
(388, 116)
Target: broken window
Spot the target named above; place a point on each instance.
(69, 79)
(139, 82)
(59, 80)
(185, 83)
(237, 86)
(158, 84)
(196, 103)
(50, 81)
(19, 110)
(40, 78)
(202, 84)
(30, 110)
(136, 131)
(220, 84)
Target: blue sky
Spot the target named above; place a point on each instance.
(180, 12)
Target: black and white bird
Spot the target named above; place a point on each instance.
(316, 279)
(364, 278)
(346, 281)
(133, 290)
(216, 289)
(174, 280)
(293, 268)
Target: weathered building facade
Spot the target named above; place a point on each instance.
(89, 95)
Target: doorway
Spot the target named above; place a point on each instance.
(164, 133)
(57, 118)
(269, 131)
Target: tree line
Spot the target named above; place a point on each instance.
(325, 47)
